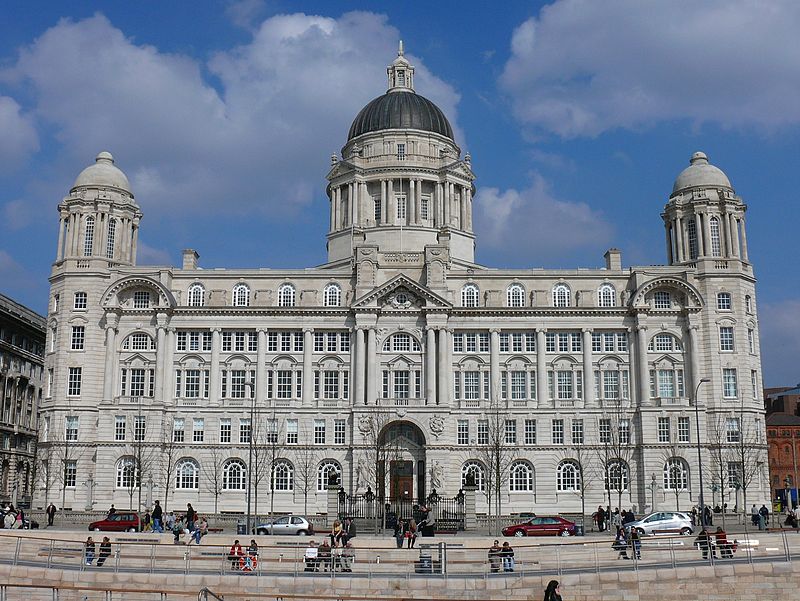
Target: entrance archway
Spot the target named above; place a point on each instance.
(402, 469)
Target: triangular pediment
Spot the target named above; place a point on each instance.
(389, 293)
(340, 168)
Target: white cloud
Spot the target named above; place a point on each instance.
(779, 326)
(533, 223)
(18, 214)
(583, 67)
(243, 13)
(12, 274)
(251, 130)
(19, 138)
(149, 255)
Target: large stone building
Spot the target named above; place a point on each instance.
(400, 363)
(22, 339)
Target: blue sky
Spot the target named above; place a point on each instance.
(578, 115)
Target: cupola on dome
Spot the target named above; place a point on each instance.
(701, 174)
(103, 174)
(401, 107)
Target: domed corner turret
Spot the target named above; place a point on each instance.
(700, 174)
(103, 174)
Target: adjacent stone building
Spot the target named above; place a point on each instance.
(401, 363)
(22, 339)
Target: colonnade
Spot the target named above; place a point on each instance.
(732, 236)
(449, 204)
(72, 236)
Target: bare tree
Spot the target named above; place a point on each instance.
(583, 457)
(749, 452)
(169, 454)
(497, 455)
(378, 451)
(306, 459)
(46, 469)
(614, 452)
(62, 454)
(212, 469)
(675, 472)
(141, 456)
(720, 454)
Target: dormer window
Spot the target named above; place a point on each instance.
(401, 78)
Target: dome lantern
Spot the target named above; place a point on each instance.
(400, 73)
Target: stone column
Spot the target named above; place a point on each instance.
(745, 256)
(444, 372)
(681, 252)
(633, 378)
(333, 209)
(308, 371)
(641, 359)
(463, 206)
(494, 365)
(670, 230)
(541, 367)
(588, 368)
(418, 204)
(439, 208)
(391, 202)
(371, 367)
(135, 242)
(411, 205)
(111, 349)
(160, 343)
(213, 376)
(734, 229)
(60, 249)
(359, 361)
(430, 367)
(694, 349)
(384, 203)
(468, 193)
(169, 360)
(447, 203)
(261, 365)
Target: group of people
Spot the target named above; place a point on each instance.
(13, 518)
(501, 556)
(405, 530)
(243, 560)
(325, 558)
(627, 539)
(90, 548)
(608, 520)
(709, 542)
(759, 517)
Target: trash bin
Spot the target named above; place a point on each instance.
(241, 528)
(424, 565)
(578, 529)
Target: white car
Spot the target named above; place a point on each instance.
(663, 522)
(287, 524)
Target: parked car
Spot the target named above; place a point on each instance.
(286, 524)
(122, 521)
(663, 522)
(543, 525)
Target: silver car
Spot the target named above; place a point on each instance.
(286, 524)
(663, 522)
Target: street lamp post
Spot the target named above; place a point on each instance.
(699, 454)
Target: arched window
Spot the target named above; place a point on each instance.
(286, 296)
(515, 296)
(234, 475)
(713, 225)
(187, 475)
(126, 473)
(401, 343)
(326, 468)
(664, 343)
(138, 341)
(676, 474)
(606, 296)
(469, 295)
(241, 295)
(569, 476)
(332, 297)
(283, 476)
(561, 295)
(112, 231)
(88, 238)
(197, 295)
(475, 469)
(617, 475)
(520, 477)
(691, 233)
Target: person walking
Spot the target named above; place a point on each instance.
(190, 516)
(157, 518)
(616, 519)
(88, 551)
(553, 591)
(703, 542)
(105, 551)
(177, 530)
(763, 517)
(411, 533)
(723, 545)
(146, 525)
(494, 557)
(51, 514)
(601, 518)
(621, 543)
(507, 555)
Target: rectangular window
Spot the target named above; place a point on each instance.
(564, 384)
(272, 431)
(291, 431)
(563, 342)
(192, 383)
(458, 343)
(80, 301)
(517, 342)
(729, 386)
(724, 301)
(177, 429)
(504, 344)
(576, 344)
(517, 385)
(624, 431)
(227, 342)
(344, 342)
(78, 337)
(70, 473)
(577, 431)
(252, 342)
(141, 299)
(272, 342)
(662, 300)
(471, 385)
(284, 384)
(339, 431)
(74, 382)
(663, 429)
(471, 343)
(71, 428)
(754, 382)
(462, 434)
(726, 338)
(376, 201)
(330, 387)
(530, 431)
(734, 474)
(666, 383)
(530, 342)
(732, 429)
(604, 430)
(319, 431)
(225, 430)
(139, 428)
(611, 385)
(483, 342)
(401, 207)
(558, 431)
(244, 430)
(198, 429)
(550, 342)
(751, 341)
(483, 432)
(120, 427)
(401, 148)
(401, 384)
(423, 208)
(511, 431)
(683, 429)
(319, 342)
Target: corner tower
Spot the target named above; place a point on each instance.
(400, 184)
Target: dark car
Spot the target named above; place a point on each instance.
(122, 521)
(542, 525)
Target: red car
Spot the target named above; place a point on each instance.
(122, 521)
(542, 525)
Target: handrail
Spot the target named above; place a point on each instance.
(206, 592)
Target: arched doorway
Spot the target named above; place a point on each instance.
(402, 470)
